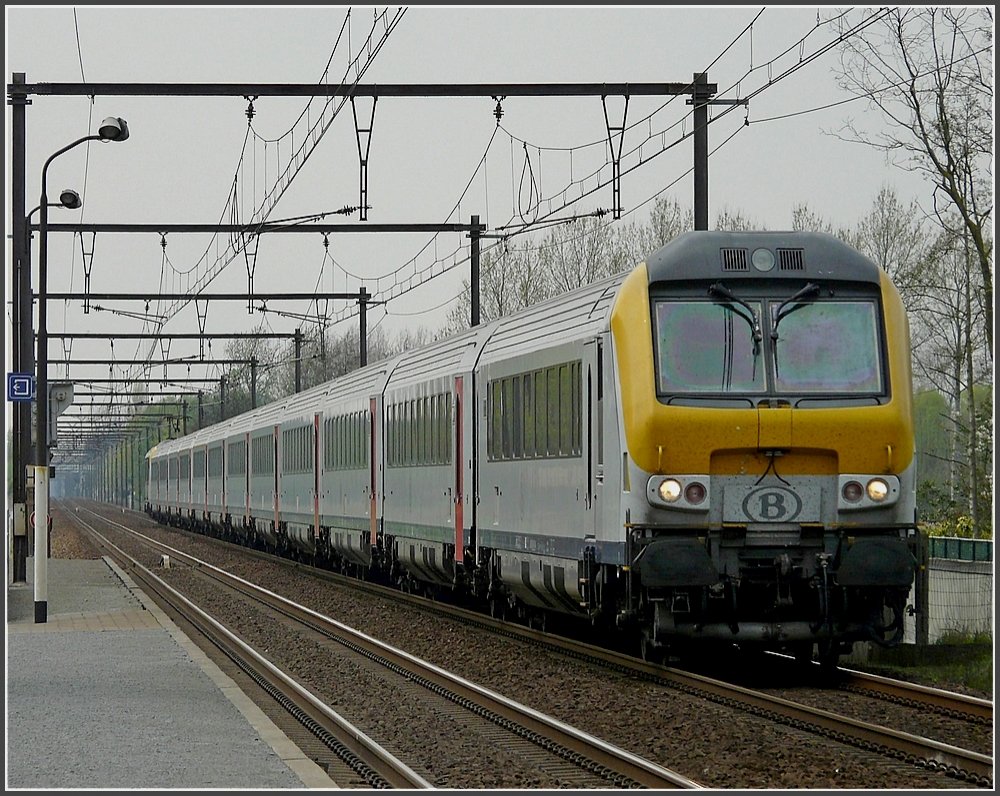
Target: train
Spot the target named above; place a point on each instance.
(715, 447)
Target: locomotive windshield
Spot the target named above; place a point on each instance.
(829, 346)
(705, 347)
(818, 347)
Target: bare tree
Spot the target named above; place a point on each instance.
(577, 253)
(735, 221)
(512, 277)
(894, 237)
(929, 71)
(806, 219)
(667, 220)
(253, 381)
(404, 340)
(949, 355)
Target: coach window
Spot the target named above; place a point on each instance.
(553, 410)
(541, 413)
(400, 429)
(507, 418)
(528, 411)
(565, 410)
(387, 436)
(433, 439)
(494, 425)
(215, 462)
(446, 404)
(348, 441)
(430, 429)
(517, 415)
(366, 437)
(404, 433)
(421, 438)
(406, 408)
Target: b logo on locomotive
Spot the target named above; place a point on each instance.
(772, 504)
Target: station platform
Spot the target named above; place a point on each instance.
(110, 694)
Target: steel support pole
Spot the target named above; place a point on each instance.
(363, 328)
(474, 270)
(22, 331)
(298, 360)
(253, 386)
(700, 101)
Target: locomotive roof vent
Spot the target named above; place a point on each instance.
(734, 259)
(790, 260)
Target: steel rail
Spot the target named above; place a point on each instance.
(923, 752)
(632, 768)
(389, 769)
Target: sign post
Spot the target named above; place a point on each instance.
(20, 389)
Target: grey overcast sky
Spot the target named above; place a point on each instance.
(431, 160)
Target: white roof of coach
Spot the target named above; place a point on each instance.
(442, 358)
(575, 315)
(361, 383)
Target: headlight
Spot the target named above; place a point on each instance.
(867, 491)
(669, 490)
(685, 492)
(878, 490)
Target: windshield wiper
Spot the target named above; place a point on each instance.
(810, 290)
(719, 289)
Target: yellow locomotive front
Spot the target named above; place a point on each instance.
(766, 395)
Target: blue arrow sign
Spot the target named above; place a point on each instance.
(20, 387)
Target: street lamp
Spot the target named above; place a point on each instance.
(69, 199)
(111, 129)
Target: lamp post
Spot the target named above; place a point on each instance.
(111, 129)
(23, 356)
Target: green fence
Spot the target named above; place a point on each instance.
(961, 549)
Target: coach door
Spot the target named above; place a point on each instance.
(459, 474)
(316, 461)
(276, 482)
(373, 414)
(593, 402)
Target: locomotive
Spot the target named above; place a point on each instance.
(715, 447)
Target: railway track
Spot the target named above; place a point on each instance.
(580, 759)
(948, 703)
(370, 764)
(966, 765)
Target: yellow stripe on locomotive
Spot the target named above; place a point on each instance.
(876, 439)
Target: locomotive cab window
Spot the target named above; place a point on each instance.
(827, 347)
(803, 348)
(704, 347)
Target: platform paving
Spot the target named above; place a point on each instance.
(109, 693)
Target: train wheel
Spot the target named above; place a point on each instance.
(829, 655)
(802, 652)
(649, 651)
(498, 607)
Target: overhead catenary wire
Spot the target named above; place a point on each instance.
(443, 262)
(772, 80)
(270, 199)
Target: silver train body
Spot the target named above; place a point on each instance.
(523, 461)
